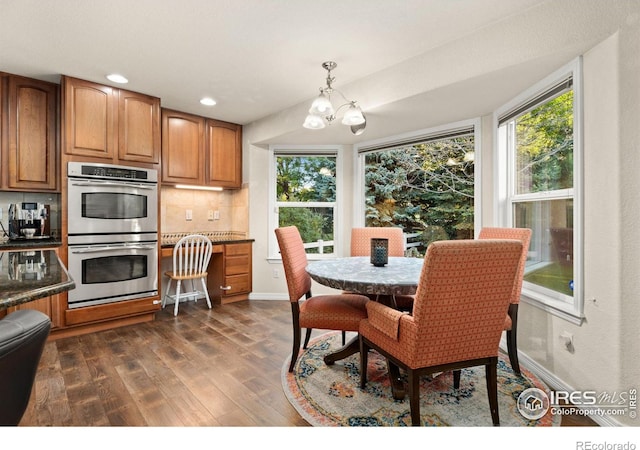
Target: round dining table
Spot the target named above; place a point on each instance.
(400, 276)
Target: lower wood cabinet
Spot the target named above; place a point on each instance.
(47, 305)
(230, 273)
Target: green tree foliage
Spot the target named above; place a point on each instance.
(307, 179)
(544, 143)
(428, 187)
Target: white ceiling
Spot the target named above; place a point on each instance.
(258, 58)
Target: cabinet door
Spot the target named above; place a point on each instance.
(46, 305)
(224, 154)
(182, 148)
(32, 134)
(139, 127)
(90, 119)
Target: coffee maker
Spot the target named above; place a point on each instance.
(28, 220)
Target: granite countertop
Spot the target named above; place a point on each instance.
(20, 244)
(31, 274)
(217, 237)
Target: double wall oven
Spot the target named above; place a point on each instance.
(112, 225)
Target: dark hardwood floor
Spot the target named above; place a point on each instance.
(218, 367)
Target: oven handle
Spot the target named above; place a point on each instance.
(111, 183)
(108, 248)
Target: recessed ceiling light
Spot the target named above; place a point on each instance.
(208, 101)
(116, 78)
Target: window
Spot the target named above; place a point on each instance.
(539, 150)
(305, 194)
(424, 183)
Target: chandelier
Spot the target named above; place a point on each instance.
(322, 111)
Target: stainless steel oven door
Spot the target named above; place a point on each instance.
(108, 273)
(105, 206)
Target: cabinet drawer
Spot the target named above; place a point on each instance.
(237, 284)
(236, 265)
(237, 249)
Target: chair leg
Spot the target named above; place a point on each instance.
(413, 382)
(296, 347)
(307, 336)
(175, 307)
(364, 361)
(456, 379)
(206, 292)
(491, 372)
(512, 334)
(512, 348)
(344, 338)
(166, 292)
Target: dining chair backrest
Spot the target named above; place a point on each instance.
(462, 299)
(521, 234)
(294, 261)
(191, 256)
(361, 240)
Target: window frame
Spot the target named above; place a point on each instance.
(569, 308)
(360, 151)
(336, 151)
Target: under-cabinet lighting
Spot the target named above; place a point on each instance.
(203, 188)
(117, 78)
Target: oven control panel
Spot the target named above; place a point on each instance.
(111, 172)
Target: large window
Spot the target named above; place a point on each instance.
(304, 194)
(539, 149)
(424, 183)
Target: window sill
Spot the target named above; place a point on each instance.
(560, 309)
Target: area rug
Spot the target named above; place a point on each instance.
(331, 395)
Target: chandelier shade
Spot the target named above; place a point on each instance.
(321, 106)
(313, 122)
(322, 111)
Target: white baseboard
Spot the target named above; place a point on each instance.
(268, 296)
(556, 383)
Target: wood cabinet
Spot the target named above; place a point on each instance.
(230, 278)
(182, 148)
(30, 143)
(224, 154)
(48, 305)
(200, 151)
(116, 125)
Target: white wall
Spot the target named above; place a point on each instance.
(602, 360)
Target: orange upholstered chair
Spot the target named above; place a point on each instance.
(511, 321)
(457, 320)
(361, 240)
(330, 312)
(361, 246)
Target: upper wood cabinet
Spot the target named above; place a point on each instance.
(224, 154)
(109, 123)
(30, 149)
(200, 151)
(182, 148)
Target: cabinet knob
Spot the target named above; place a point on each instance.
(225, 288)
(156, 302)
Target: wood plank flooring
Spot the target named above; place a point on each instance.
(218, 367)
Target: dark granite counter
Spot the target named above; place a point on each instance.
(169, 240)
(21, 244)
(31, 274)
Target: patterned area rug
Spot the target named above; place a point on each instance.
(331, 396)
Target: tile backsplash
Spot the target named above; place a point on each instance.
(232, 207)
